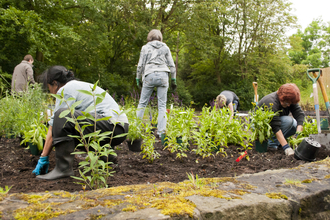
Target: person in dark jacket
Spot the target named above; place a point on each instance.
(229, 99)
(23, 75)
(284, 101)
(154, 66)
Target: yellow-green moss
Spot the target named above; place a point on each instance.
(276, 196)
(40, 211)
(168, 197)
(308, 180)
(34, 198)
(327, 176)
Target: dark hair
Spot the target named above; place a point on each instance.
(57, 73)
(28, 57)
(289, 92)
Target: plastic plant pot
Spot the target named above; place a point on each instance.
(261, 147)
(34, 149)
(324, 124)
(163, 139)
(135, 145)
(307, 150)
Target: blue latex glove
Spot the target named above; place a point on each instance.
(42, 166)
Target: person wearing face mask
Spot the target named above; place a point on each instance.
(60, 80)
(284, 101)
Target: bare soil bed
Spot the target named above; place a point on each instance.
(17, 164)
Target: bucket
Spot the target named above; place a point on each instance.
(135, 145)
(307, 150)
(261, 147)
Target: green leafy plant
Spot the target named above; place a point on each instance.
(310, 127)
(93, 171)
(135, 125)
(148, 148)
(179, 128)
(260, 122)
(35, 134)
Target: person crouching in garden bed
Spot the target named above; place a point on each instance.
(229, 99)
(284, 101)
(58, 79)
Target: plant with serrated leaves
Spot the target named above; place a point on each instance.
(148, 145)
(310, 127)
(93, 171)
(260, 120)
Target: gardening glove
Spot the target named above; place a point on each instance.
(173, 84)
(288, 150)
(138, 83)
(42, 166)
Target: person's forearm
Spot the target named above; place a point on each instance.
(300, 128)
(48, 143)
(231, 108)
(280, 137)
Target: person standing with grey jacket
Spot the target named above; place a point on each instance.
(23, 75)
(154, 66)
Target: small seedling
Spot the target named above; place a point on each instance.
(197, 183)
(5, 190)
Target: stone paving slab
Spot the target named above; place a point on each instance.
(298, 193)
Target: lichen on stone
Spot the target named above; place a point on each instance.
(276, 196)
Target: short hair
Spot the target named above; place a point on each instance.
(155, 34)
(57, 73)
(289, 92)
(221, 101)
(28, 57)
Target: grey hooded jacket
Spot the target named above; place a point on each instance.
(23, 74)
(155, 56)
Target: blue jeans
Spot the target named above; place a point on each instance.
(288, 127)
(159, 80)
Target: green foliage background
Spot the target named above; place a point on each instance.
(218, 44)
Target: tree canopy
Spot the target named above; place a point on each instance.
(216, 44)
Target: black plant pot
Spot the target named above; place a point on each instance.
(34, 149)
(307, 150)
(134, 146)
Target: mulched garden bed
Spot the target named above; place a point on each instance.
(17, 164)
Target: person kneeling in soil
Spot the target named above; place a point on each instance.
(284, 101)
(58, 79)
(229, 99)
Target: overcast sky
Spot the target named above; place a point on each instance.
(307, 10)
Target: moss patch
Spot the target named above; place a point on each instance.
(276, 196)
(169, 198)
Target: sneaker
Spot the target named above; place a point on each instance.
(289, 151)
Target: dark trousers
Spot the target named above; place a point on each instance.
(62, 128)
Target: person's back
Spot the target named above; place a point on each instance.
(22, 75)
